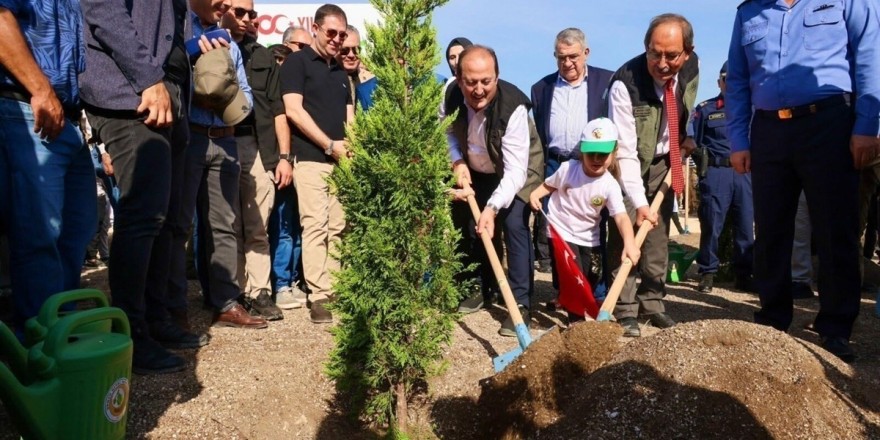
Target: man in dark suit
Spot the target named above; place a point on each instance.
(560, 99)
(135, 92)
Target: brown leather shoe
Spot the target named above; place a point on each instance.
(319, 314)
(237, 316)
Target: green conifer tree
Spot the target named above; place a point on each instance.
(395, 295)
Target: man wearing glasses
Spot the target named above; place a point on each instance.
(721, 190)
(317, 101)
(363, 82)
(296, 38)
(650, 99)
(263, 140)
(565, 101)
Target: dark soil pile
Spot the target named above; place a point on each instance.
(704, 379)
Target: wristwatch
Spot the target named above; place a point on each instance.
(329, 150)
(286, 156)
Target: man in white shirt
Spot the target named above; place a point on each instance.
(495, 149)
(639, 105)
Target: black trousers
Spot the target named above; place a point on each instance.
(148, 164)
(513, 223)
(809, 153)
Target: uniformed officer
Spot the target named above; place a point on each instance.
(803, 109)
(721, 190)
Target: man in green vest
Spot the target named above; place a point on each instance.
(649, 100)
(495, 150)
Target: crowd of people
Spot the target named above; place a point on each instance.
(206, 140)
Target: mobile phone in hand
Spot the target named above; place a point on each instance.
(192, 45)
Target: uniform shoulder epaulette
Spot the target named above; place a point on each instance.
(703, 104)
(743, 3)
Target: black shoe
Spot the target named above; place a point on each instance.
(630, 327)
(471, 305)
(839, 347)
(660, 320)
(508, 329)
(92, 263)
(264, 305)
(744, 283)
(169, 335)
(801, 290)
(543, 266)
(150, 358)
(706, 282)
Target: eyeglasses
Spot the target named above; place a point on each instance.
(240, 12)
(657, 56)
(298, 44)
(571, 58)
(333, 33)
(346, 50)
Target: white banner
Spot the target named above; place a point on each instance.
(275, 18)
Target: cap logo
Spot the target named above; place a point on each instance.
(597, 133)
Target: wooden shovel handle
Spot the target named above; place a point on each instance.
(506, 293)
(620, 279)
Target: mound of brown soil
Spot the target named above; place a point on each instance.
(704, 379)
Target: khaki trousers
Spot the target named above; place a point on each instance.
(257, 195)
(322, 220)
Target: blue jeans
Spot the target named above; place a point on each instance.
(48, 206)
(285, 239)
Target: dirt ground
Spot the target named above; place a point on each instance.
(713, 376)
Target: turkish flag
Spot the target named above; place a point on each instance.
(575, 293)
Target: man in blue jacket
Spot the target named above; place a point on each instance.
(565, 101)
(135, 92)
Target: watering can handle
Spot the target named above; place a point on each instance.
(59, 333)
(49, 312)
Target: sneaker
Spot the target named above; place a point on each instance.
(289, 298)
(706, 282)
(319, 314)
(839, 347)
(660, 320)
(92, 263)
(150, 358)
(508, 329)
(630, 327)
(801, 290)
(169, 335)
(473, 304)
(263, 305)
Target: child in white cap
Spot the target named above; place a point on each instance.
(579, 191)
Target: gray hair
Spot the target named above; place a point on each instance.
(571, 36)
(288, 33)
(687, 31)
(353, 30)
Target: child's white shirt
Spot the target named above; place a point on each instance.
(575, 207)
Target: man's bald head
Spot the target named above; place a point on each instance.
(478, 76)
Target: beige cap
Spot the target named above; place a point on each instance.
(216, 87)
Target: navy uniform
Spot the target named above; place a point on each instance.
(803, 109)
(721, 190)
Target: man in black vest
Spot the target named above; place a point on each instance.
(649, 100)
(496, 150)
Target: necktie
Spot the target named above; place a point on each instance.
(674, 147)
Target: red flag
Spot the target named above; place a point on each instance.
(575, 293)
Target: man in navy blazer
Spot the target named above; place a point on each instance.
(135, 92)
(564, 101)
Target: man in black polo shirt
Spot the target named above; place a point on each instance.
(318, 103)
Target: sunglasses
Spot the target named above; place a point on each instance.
(331, 34)
(240, 13)
(346, 50)
(298, 44)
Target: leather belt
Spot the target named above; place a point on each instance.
(719, 162)
(23, 96)
(806, 109)
(212, 132)
(245, 130)
(557, 155)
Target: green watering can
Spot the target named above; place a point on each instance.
(679, 262)
(36, 328)
(73, 384)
